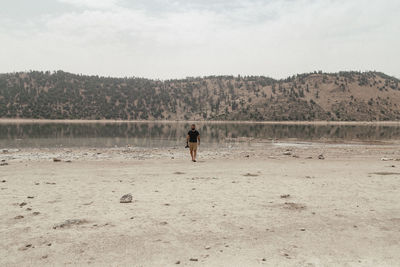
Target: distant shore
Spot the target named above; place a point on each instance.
(17, 120)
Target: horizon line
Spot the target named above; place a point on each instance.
(200, 76)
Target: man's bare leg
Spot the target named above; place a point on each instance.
(191, 154)
(194, 154)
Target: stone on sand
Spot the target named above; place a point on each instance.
(127, 198)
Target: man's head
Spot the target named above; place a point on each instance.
(193, 127)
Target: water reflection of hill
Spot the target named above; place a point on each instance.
(174, 133)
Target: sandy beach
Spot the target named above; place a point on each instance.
(276, 205)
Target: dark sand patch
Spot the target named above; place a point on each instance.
(386, 173)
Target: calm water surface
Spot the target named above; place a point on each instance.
(173, 134)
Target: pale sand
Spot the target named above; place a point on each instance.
(225, 210)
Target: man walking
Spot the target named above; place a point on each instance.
(193, 139)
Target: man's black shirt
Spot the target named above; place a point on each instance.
(193, 136)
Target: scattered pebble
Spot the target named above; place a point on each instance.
(26, 247)
(321, 157)
(193, 259)
(178, 262)
(126, 198)
(56, 160)
(285, 196)
(23, 204)
(35, 213)
(3, 164)
(30, 197)
(18, 217)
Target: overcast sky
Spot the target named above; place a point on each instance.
(178, 38)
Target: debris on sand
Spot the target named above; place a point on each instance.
(56, 160)
(285, 196)
(386, 173)
(178, 262)
(294, 206)
(35, 213)
(287, 153)
(3, 164)
(126, 198)
(3, 181)
(321, 157)
(18, 217)
(387, 159)
(179, 173)
(23, 204)
(26, 247)
(250, 175)
(69, 223)
(193, 259)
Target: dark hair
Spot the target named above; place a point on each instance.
(193, 124)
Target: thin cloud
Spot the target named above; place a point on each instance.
(170, 39)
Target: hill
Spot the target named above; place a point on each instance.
(343, 96)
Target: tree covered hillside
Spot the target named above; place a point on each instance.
(343, 96)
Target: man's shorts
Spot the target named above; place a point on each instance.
(193, 146)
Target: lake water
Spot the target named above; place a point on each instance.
(143, 134)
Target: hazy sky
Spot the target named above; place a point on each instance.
(179, 38)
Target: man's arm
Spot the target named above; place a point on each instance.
(187, 139)
(198, 139)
